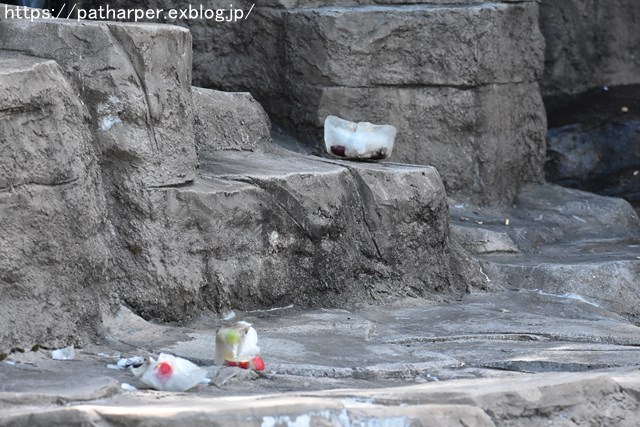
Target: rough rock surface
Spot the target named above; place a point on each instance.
(229, 121)
(260, 229)
(123, 123)
(589, 43)
(413, 45)
(134, 80)
(470, 70)
(53, 254)
(568, 242)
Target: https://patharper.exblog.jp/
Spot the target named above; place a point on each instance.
(108, 13)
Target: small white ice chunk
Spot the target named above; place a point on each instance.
(127, 387)
(132, 361)
(108, 122)
(361, 140)
(229, 315)
(67, 353)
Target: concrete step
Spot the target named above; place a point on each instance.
(458, 81)
(229, 121)
(558, 241)
(267, 229)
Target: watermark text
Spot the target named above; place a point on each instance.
(108, 13)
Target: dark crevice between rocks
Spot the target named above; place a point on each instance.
(537, 366)
(185, 184)
(421, 86)
(593, 142)
(42, 184)
(475, 337)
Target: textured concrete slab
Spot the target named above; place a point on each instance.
(293, 229)
(414, 45)
(469, 362)
(569, 242)
(229, 121)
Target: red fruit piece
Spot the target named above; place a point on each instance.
(241, 364)
(258, 363)
(338, 150)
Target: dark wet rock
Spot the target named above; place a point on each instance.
(594, 142)
(589, 44)
(604, 160)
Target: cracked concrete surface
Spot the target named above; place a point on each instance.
(510, 358)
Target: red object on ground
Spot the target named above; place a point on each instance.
(258, 363)
(233, 363)
(164, 369)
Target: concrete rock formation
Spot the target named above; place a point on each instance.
(110, 129)
(229, 121)
(589, 44)
(130, 199)
(458, 81)
(54, 256)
